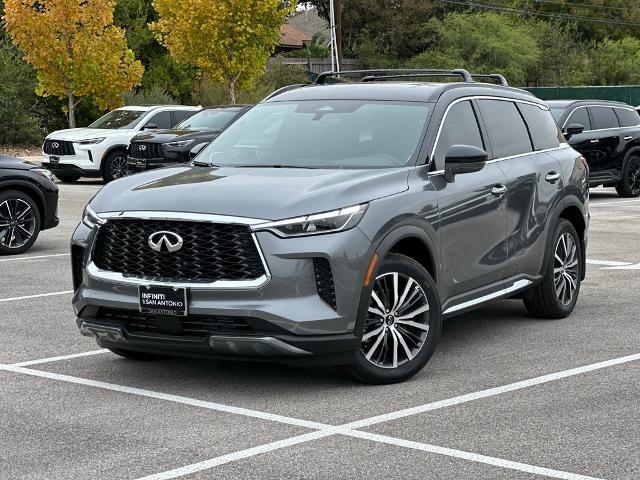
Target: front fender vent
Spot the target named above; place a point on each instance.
(324, 281)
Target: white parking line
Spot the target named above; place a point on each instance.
(349, 429)
(600, 204)
(607, 263)
(33, 257)
(65, 292)
(59, 358)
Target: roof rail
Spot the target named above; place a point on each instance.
(499, 79)
(382, 74)
(282, 90)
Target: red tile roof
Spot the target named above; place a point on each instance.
(290, 37)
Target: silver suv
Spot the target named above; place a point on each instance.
(340, 223)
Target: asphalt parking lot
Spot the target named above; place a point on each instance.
(504, 397)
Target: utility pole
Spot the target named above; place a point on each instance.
(338, 12)
(335, 57)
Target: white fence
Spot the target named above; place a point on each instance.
(319, 65)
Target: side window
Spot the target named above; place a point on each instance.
(603, 117)
(580, 116)
(180, 115)
(507, 130)
(460, 127)
(627, 118)
(542, 126)
(161, 119)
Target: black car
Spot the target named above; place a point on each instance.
(28, 204)
(610, 140)
(162, 148)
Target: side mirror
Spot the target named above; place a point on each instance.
(573, 129)
(193, 153)
(462, 159)
(150, 126)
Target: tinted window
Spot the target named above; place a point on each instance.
(542, 126)
(603, 117)
(118, 119)
(460, 127)
(580, 116)
(161, 120)
(627, 118)
(181, 115)
(322, 134)
(506, 128)
(208, 120)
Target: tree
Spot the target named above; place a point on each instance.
(228, 40)
(611, 62)
(75, 49)
(484, 43)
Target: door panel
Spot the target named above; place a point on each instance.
(472, 230)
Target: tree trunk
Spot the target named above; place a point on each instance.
(72, 111)
(232, 91)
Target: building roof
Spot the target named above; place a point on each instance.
(310, 23)
(292, 38)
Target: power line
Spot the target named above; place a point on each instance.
(501, 8)
(582, 5)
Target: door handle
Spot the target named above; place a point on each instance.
(595, 140)
(499, 190)
(628, 137)
(552, 177)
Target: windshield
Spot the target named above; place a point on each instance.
(557, 113)
(208, 120)
(321, 134)
(118, 119)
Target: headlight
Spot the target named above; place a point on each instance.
(90, 141)
(326, 222)
(91, 218)
(45, 173)
(179, 143)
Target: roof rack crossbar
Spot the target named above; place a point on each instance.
(389, 73)
(283, 90)
(499, 79)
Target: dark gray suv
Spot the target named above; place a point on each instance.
(339, 223)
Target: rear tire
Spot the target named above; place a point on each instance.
(402, 326)
(20, 222)
(68, 178)
(114, 166)
(556, 296)
(138, 356)
(629, 186)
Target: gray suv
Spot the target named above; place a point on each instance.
(340, 223)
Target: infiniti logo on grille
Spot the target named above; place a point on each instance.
(165, 241)
(142, 147)
(55, 144)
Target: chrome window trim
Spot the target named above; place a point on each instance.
(114, 277)
(477, 97)
(601, 129)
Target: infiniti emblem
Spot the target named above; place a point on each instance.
(142, 147)
(55, 144)
(164, 241)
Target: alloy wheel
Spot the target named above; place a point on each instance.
(118, 167)
(397, 323)
(17, 223)
(565, 268)
(633, 176)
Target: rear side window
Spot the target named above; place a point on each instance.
(627, 118)
(460, 127)
(507, 130)
(542, 127)
(579, 116)
(603, 118)
(161, 119)
(180, 115)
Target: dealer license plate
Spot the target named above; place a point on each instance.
(163, 300)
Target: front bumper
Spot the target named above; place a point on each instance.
(143, 164)
(289, 321)
(70, 170)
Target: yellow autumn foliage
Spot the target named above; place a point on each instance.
(228, 40)
(75, 49)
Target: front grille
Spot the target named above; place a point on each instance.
(324, 281)
(210, 251)
(146, 150)
(58, 147)
(192, 326)
(77, 257)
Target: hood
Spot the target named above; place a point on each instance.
(73, 134)
(164, 136)
(270, 194)
(13, 163)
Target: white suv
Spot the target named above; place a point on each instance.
(100, 150)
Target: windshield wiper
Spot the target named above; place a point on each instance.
(199, 163)
(277, 165)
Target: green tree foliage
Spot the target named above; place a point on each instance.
(485, 42)
(611, 62)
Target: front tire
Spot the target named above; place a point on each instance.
(115, 166)
(20, 222)
(556, 296)
(629, 186)
(402, 325)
